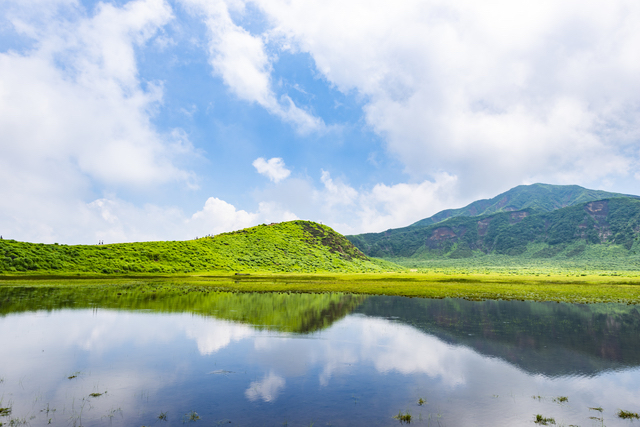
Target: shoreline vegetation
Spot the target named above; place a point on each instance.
(570, 288)
(306, 257)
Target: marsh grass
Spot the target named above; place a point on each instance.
(190, 417)
(403, 418)
(74, 375)
(421, 402)
(628, 415)
(48, 410)
(162, 416)
(561, 399)
(5, 412)
(544, 420)
(556, 287)
(112, 413)
(14, 422)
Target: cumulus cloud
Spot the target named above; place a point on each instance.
(115, 220)
(274, 168)
(75, 116)
(334, 203)
(77, 99)
(383, 206)
(380, 207)
(335, 192)
(241, 60)
(496, 94)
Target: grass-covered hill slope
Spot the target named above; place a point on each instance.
(295, 246)
(539, 197)
(610, 226)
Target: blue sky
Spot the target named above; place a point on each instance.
(158, 119)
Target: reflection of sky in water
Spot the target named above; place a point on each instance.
(360, 371)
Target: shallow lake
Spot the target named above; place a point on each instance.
(158, 355)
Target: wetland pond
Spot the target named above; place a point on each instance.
(157, 355)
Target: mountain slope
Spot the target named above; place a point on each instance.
(295, 246)
(564, 232)
(541, 197)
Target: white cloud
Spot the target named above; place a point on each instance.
(218, 216)
(336, 204)
(115, 220)
(77, 99)
(266, 389)
(217, 334)
(384, 206)
(222, 216)
(390, 206)
(242, 62)
(335, 193)
(274, 168)
(496, 94)
(75, 116)
(67, 220)
(352, 211)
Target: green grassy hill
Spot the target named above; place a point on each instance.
(295, 246)
(595, 230)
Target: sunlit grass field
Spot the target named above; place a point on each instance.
(509, 285)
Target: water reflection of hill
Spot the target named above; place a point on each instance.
(546, 338)
(543, 338)
(299, 313)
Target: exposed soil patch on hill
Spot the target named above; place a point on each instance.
(332, 240)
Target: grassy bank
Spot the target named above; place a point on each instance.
(553, 287)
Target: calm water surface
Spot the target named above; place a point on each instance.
(298, 360)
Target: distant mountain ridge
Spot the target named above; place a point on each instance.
(541, 197)
(539, 220)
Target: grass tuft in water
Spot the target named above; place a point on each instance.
(421, 401)
(96, 394)
(544, 421)
(628, 415)
(403, 418)
(5, 412)
(561, 399)
(74, 375)
(190, 417)
(162, 416)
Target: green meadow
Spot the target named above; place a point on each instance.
(575, 288)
